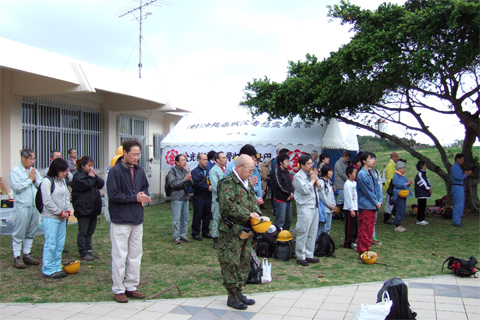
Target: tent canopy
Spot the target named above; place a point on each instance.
(195, 130)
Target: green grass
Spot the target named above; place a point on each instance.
(194, 267)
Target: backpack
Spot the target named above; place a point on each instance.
(390, 189)
(285, 250)
(398, 292)
(324, 245)
(462, 268)
(38, 196)
(264, 244)
(256, 271)
(447, 213)
(168, 187)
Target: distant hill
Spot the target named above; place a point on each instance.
(376, 144)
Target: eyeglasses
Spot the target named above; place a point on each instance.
(31, 159)
(248, 168)
(135, 155)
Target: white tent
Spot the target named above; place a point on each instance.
(196, 133)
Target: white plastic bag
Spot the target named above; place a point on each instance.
(377, 311)
(267, 271)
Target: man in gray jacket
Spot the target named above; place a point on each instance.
(341, 176)
(180, 181)
(306, 186)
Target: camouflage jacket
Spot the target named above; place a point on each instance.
(235, 203)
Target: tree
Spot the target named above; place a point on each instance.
(402, 62)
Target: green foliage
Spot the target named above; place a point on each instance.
(376, 144)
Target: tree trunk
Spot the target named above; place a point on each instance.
(472, 203)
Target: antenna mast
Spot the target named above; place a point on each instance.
(140, 19)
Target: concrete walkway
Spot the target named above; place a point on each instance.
(442, 297)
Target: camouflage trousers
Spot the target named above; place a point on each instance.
(234, 258)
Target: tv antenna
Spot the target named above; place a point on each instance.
(141, 16)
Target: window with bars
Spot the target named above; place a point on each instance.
(135, 127)
(48, 126)
(157, 151)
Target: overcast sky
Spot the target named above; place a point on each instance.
(204, 52)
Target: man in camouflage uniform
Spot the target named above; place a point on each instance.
(237, 203)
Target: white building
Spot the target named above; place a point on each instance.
(52, 102)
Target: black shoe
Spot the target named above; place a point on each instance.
(56, 275)
(90, 252)
(313, 260)
(208, 236)
(389, 222)
(458, 225)
(198, 238)
(215, 244)
(87, 257)
(244, 299)
(65, 251)
(233, 301)
(303, 263)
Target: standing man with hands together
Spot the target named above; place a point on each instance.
(127, 188)
(25, 181)
(307, 186)
(237, 203)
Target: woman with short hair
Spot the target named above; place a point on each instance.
(87, 203)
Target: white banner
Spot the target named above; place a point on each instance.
(268, 151)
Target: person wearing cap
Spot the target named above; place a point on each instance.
(458, 176)
(389, 173)
(237, 204)
(400, 182)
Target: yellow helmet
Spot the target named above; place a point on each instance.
(114, 160)
(336, 210)
(285, 236)
(262, 225)
(404, 193)
(71, 267)
(369, 257)
(120, 151)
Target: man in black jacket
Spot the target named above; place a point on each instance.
(202, 199)
(283, 192)
(127, 188)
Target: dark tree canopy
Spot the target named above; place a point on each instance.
(402, 61)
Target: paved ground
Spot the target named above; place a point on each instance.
(443, 297)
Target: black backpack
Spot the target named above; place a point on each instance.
(264, 244)
(462, 268)
(256, 271)
(398, 292)
(285, 250)
(324, 245)
(168, 188)
(38, 196)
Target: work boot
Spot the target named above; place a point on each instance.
(27, 258)
(215, 244)
(233, 301)
(18, 263)
(90, 252)
(244, 299)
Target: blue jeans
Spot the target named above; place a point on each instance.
(458, 193)
(55, 231)
(401, 208)
(283, 218)
(181, 219)
(340, 198)
(325, 226)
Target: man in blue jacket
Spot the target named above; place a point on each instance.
(127, 188)
(202, 199)
(458, 177)
(369, 201)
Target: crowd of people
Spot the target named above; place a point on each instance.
(225, 198)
